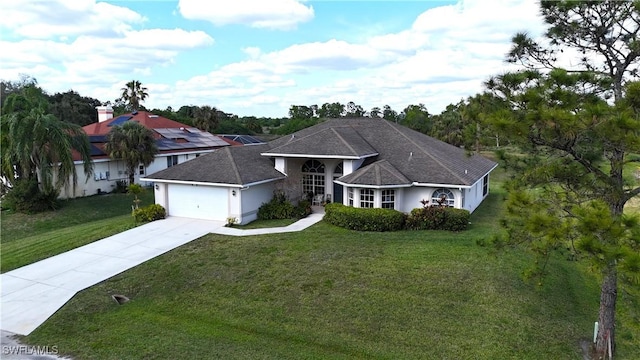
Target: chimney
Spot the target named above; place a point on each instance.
(104, 113)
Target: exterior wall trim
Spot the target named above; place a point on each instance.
(311, 156)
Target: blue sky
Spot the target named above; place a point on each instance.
(252, 57)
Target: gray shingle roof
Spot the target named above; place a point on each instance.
(404, 156)
(237, 165)
(334, 141)
(379, 173)
(418, 157)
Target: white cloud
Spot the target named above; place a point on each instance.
(442, 57)
(42, 19)
(438, 59)
(85, 45)
(273, 14)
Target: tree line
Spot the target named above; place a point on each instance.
(459, 124)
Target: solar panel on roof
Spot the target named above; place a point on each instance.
(95, 151)
(120, 119)
(97, 138)
(243, 139)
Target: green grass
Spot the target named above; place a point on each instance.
(29, 238)
(37, 247)
(260, 224)
(327, 292)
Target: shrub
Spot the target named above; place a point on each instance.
(26, 197)
(364, 219)
(280, 208)
(149, 213)
(438, 218)
(121, 186)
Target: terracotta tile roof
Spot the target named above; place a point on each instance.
(147, 119)
(171, 136)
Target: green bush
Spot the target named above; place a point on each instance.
(280, 208)
(149, 213)
(364, 219)
(438, 218)
(26, 197)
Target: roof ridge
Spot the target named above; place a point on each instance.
(393, 170)
(233, 163)
(427, 153)
(344, 141)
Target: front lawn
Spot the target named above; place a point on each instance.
(261, 224)
(27, 238)
(327, 292)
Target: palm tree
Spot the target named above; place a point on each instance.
(132, 143)
(205, 118)
(36, 145)
(133, 93)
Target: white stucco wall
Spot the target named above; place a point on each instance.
(252, 198)
(105, 175)
(474, 195)
(413, 195)
(116, 170)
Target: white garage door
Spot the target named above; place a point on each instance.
(199, 202)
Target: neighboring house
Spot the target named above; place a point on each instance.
(176, 143)
(357, 162)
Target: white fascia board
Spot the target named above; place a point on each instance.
(199, 183)
(164, 154)
(372, 186)
(482, 177)
(262, 182)
(314, 156)
(448, 186)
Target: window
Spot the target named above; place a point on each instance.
(313, 166)
(140, 170)
(485, 185)
(443, 197)
(338, 171)
(388, 199)
(313, 178)
(366, 198)
(350, 196)
(172, 160)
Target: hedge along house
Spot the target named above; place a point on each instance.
(176, 143)
(357, 162)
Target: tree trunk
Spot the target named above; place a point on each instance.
(607, 316)
(478, 137)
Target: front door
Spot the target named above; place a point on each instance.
(337, 193)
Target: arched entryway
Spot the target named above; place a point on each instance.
(313, 178)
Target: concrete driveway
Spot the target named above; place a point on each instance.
(31, 294)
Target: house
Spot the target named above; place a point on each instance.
(176, 143)
(357, 162)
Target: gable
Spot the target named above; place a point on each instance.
(339, 141)
(415, 156)
(234, 165)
